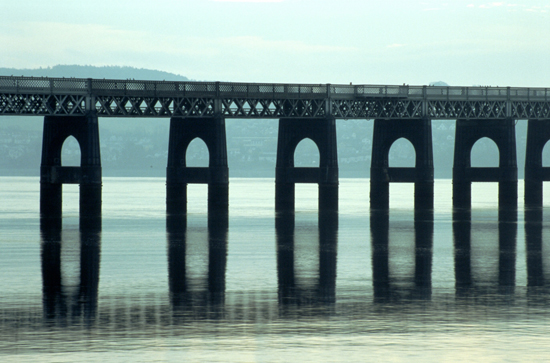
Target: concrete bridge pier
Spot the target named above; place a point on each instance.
(419, 133)
(211, 130)
(538, 133)
(468, 132)
(322, 131)
(53, 175)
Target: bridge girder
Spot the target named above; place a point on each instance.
(131, 106)
(130, 98)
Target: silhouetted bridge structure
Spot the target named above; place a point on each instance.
(71, 107)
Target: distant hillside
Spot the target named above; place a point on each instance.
(109, 72)
(439, 84)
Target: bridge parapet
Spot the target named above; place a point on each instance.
(11, 84)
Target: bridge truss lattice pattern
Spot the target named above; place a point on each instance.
(129, 98)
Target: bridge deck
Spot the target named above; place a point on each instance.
(134, 98)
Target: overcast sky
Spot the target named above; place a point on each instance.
(460, 42)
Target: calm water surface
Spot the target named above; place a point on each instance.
(250, 287)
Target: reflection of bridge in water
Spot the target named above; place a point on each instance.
(191, 297)
(71, 107)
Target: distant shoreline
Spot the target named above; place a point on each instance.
(156, 172)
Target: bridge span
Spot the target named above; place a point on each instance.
(134, 98)
(72, 106)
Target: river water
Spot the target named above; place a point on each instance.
(250, 287)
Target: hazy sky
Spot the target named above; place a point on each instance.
(505, 43)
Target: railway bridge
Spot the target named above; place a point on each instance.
(72, 106)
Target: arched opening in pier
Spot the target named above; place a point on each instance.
(484, 154)
(197, 155)
(70, 152)
(402, 154)
(306, 155)
(70, 156)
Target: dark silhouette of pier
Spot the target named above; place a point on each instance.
(420, 284)
(61, 304)
(209, 293)
(321, 289)
(203, 297)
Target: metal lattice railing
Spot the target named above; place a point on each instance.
(89, 86)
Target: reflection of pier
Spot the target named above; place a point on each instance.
(196, 303)
(534, 246)
(384, 284)
(504, 234)
(189, 292)
(70, 296)
(320, 286)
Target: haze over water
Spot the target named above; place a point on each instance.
(251, 287)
